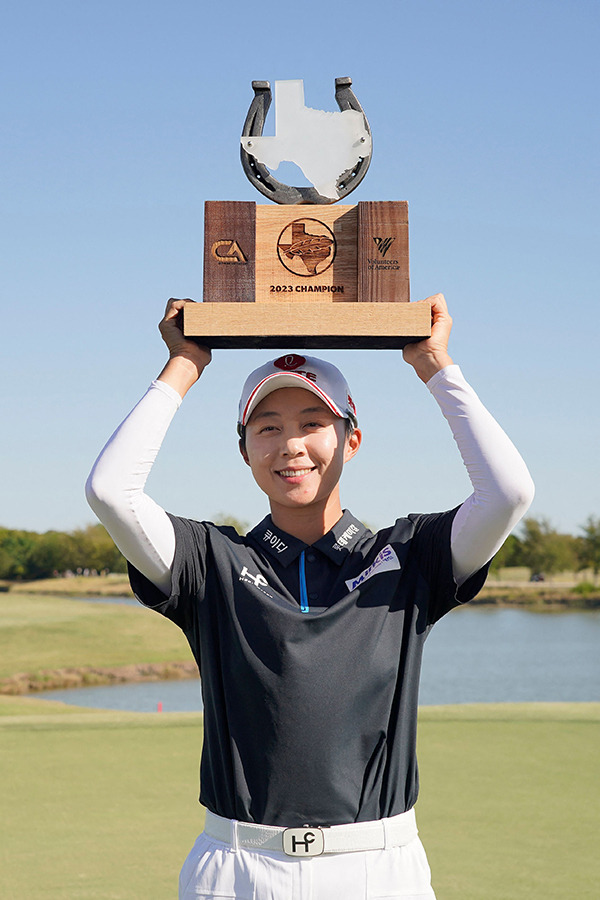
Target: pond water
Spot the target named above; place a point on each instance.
(473, 655)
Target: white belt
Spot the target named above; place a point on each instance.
(309, 841)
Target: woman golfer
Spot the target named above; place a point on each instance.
(308, 632)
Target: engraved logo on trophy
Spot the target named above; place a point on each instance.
(327, 275)
(227, 252)
(383, 244)
(306, 247)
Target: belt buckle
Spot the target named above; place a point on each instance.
(303, 842)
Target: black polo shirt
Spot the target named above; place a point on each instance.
(309, 717)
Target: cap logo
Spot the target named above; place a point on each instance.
(290, 362)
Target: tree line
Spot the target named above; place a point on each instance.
(29, 555)
(544, 550)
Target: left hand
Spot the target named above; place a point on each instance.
(431, 354)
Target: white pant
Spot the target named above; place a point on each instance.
(215, 869)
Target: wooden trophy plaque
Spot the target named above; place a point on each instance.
(309, 275)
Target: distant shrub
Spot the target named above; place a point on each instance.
(585, 588)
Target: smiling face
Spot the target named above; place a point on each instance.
(296, 447)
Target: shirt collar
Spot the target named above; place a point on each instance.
(283, 546)
(336, 544)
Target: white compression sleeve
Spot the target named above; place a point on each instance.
(502, 485)
(139, 527)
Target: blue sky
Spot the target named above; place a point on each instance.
(120, 118)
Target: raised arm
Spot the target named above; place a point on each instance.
(502, 486)
(115, 487)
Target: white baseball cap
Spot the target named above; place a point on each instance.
(308, 372)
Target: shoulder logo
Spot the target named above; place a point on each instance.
(385, 561)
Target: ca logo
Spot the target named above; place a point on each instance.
(227, 252)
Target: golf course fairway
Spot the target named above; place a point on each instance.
(101, 805)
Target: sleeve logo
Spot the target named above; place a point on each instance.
(385, 561)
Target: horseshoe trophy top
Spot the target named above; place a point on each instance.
(333, 149)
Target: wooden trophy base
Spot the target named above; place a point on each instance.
(308, 326)
(311, 277)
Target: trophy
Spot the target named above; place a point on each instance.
(305, 270)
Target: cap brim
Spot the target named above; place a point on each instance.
(281, 380)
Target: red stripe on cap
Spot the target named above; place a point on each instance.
(315, 389)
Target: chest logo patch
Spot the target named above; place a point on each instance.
(259, 581)
(385, 561)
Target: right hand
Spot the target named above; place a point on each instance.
(171, 329)
(187, 359)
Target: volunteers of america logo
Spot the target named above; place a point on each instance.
(379, 262)
(384, 244)
(385, 561)
(306, 247)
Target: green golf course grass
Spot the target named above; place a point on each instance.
(39, 633)
(103, 805)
